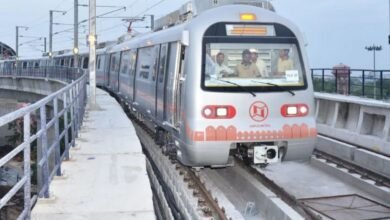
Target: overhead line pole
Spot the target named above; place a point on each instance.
(92, 52)
(44, 44)
(76, 33)
(51, 30)
(17, 39)
(51, 34)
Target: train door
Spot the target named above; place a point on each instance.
(133, 66)
(171, 84)
(117, 84)
(110, 66)
(106, 70)
(161, 81)
(180, 85)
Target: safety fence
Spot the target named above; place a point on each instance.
(357, 82)
(47, 129)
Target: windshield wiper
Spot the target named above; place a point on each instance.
(276, 85)
(236, 84)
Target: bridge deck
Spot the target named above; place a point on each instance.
(106, 177)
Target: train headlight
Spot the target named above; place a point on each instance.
(219, 112)
(222, 112)
(303, 109)
(294, 110)
(207, 112)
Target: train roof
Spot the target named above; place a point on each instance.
(200, 23)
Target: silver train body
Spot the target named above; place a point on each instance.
(168, 79)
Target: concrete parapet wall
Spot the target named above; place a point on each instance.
(359, 121)
(34, 85)
(369, 160)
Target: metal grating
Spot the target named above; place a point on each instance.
(348, 207)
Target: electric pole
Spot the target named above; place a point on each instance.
(44, 44)
(374, 48)
(17, 39)
(51, 30)
(92, 52)
(76, 34)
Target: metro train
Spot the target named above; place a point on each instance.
(199, 86)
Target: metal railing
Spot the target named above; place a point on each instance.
(53, 72)
(359, 82)
(65, 107)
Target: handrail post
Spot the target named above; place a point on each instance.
(45, 156)
(349, 82)
(27, 164)
(72, 116)
(336, 81)
(77, 107)
(381, 84)
(57, 137)
(66, 128)
(363, 83)
(323, 81)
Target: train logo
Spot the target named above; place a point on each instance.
(258, 111)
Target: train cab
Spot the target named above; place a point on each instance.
(246, 89)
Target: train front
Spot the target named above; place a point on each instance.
(248, 91)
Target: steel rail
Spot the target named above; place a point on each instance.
(380, 180)
(293, 202)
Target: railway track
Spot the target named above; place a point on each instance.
(206, 204)
(293, 202)
(380, 180)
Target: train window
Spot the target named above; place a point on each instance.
(133, 58)
(24, 65)
(113, 61)
(98, 62)
(62, 62)
(71, 62)
(85, 63)
(264, 65)
(125, 62)
(155, 67)
(147, 62)
(163, 63)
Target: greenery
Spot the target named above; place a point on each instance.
(17, 138)
(371, 88)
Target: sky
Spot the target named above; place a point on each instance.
(336, 31)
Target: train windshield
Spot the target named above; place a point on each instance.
(257, 57)
(252, 65)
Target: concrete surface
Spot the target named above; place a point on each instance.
(106, 177)
(381, 192)
(249, 197)
(305, 180)
(361, 157)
